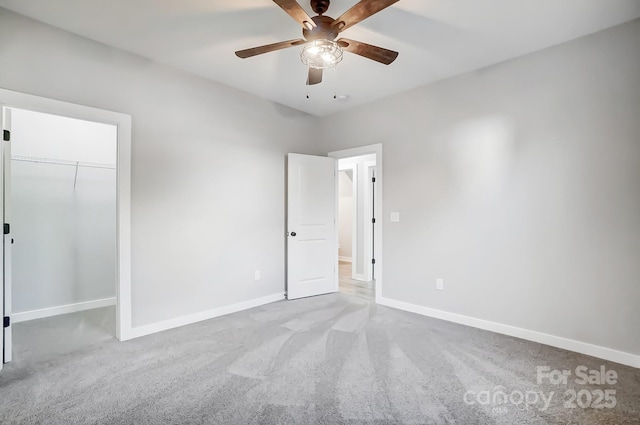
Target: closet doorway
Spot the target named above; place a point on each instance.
(60, 198)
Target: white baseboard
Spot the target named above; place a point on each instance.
(61, 309)
(621, 357)
(203, 315)
(345, 259)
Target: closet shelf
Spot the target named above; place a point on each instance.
(61, 162)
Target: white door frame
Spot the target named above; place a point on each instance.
(377, 150)
(369, 168)
(5, 181)
(29, 102)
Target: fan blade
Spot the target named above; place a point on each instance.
(247, 53)
(360, 12)
(368, 51)
(296, 12)
(315, 76)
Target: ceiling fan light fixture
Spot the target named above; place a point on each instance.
(321, 54)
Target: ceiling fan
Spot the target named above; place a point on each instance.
(321, 49)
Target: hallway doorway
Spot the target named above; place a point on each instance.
(356, 224)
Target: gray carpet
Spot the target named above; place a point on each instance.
(334, 359)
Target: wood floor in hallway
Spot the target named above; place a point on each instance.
(351, 286)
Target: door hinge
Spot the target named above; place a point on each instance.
(7, 228)
(6, 135)
(373, 220)
(373, 179)
(7, 321)
(373, 261)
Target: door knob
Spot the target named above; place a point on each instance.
(293, 233)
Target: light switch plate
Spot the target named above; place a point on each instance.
(395, 217)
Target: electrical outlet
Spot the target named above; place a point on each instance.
(256, 275)
(440, 284)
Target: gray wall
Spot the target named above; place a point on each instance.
(518, 185)
(207, 166)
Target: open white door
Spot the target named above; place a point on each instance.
(6, 244)
(312, 242)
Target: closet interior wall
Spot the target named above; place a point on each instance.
(63, 201)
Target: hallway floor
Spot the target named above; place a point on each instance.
(351, 286)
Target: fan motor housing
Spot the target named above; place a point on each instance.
(320, 6)
(324, 29)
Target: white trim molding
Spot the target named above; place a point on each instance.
(61, 309)
(605, 353)
(203, 315)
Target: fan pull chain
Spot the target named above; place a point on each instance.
(333, 82)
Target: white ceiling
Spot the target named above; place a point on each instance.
(436, 39)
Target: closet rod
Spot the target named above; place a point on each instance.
(61, 162)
